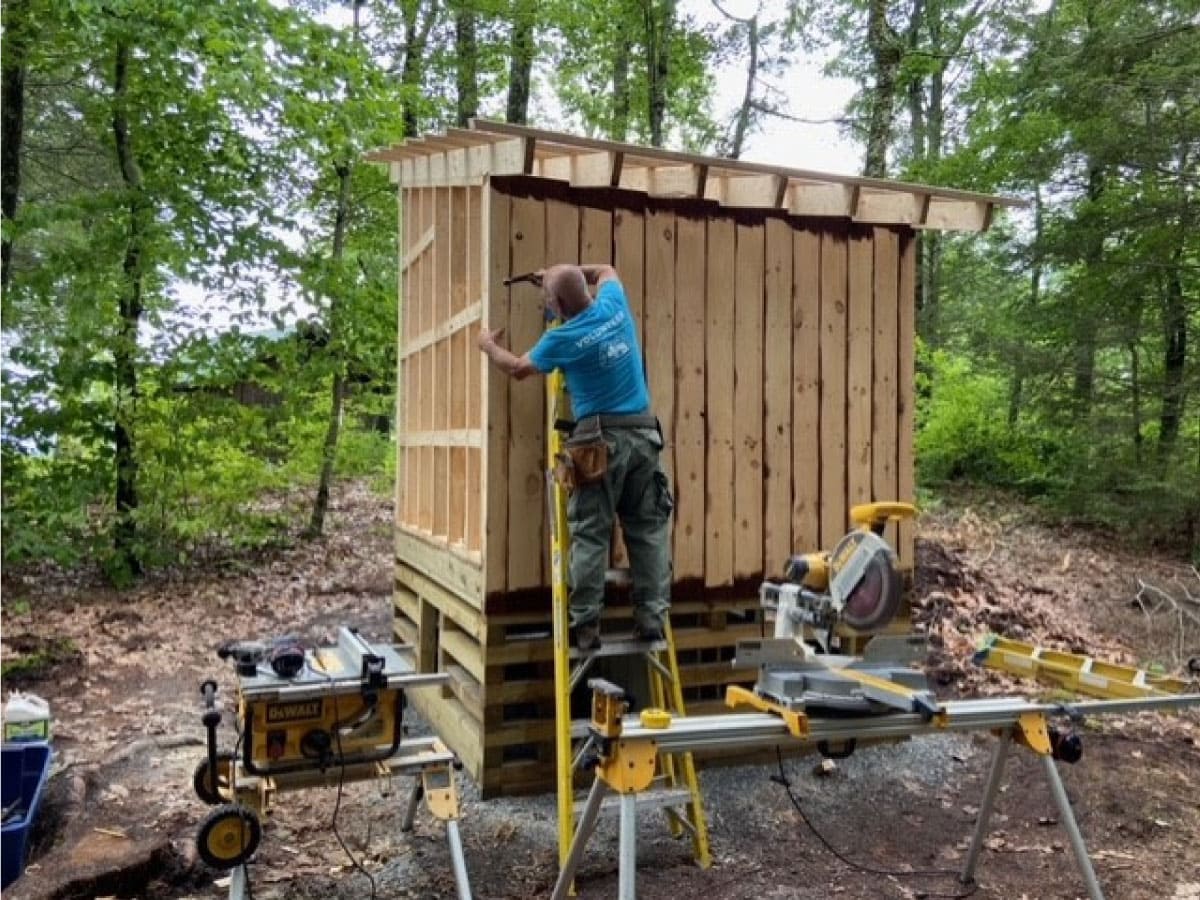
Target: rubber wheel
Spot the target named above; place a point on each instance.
(228, 836)
(202, 779)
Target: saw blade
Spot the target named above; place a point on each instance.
(874, 597)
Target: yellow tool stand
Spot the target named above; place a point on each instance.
(628, 747)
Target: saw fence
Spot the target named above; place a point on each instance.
(776, 314)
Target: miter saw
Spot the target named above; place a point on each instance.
(828, 602)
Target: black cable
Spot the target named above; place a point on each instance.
(782, 779)
(337, 733)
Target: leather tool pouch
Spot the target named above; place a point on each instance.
(584, 459)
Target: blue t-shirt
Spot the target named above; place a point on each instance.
(598, 352)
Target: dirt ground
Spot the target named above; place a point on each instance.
(122, 672)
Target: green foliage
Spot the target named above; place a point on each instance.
(36, 662)
(963, 432)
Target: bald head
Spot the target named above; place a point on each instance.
(566, 286)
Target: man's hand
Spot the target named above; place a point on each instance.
(519, 367)
(488, 339)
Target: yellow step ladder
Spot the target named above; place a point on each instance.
(677, 787)
(1074, 672)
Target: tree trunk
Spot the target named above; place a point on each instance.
(316, 522)
(12, 127)
(620, 101)
(1083, 387)
(743, 117)
(416, 39)
(1175, 324)
(520, 70)
(466, 45)
(916, 88)
(127, 561)
(1017, 390)
(659, 17)
(1135, 397)
(886, 54)
(341, 219)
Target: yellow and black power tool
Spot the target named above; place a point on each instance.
(305, 716)
(827, 607)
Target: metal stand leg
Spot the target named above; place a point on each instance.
(627, 874)
(999, 756)
(459, 862)
(587, 824)
(1068, 819)
(414, 801)
(237, 883)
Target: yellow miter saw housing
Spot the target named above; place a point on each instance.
(857, 584)
(832, 602)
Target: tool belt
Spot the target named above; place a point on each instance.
(584, 459)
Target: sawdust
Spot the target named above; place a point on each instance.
(127, 708)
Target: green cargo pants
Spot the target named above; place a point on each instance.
(635, 490)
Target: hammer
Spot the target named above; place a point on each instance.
(533, 278)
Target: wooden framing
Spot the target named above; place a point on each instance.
(775, 313)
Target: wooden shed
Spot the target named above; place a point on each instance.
(776, 312)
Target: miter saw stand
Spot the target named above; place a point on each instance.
(317, 717)
(811, 696)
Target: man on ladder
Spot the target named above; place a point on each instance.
(612, 465)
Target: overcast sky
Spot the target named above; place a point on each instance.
(810, 95)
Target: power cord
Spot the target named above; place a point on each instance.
(783, 780)
(337, 733)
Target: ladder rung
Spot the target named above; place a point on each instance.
(619, 645)
(654, 798)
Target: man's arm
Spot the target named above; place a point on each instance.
(598, 273)
(519, 367)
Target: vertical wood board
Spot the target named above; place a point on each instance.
(833, 386)
(719, 315)
(777, 398)
(748, 402)
(906, 372)
(526, 518)
(806, 391)
(885, 402)
(659, 318)
(689, 408)
(859, 335)
(498, 259)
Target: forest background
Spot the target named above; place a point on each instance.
(199, 270)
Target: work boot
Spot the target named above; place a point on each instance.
(587, 636)
(647, 632)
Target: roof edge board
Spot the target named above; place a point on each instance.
(636, 151)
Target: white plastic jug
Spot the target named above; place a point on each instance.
(26, 718)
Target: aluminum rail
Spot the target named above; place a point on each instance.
(755, 730)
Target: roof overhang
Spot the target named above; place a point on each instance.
(466, 156)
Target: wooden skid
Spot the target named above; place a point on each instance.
(497, 710)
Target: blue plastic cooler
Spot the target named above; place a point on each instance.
(26, 766)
